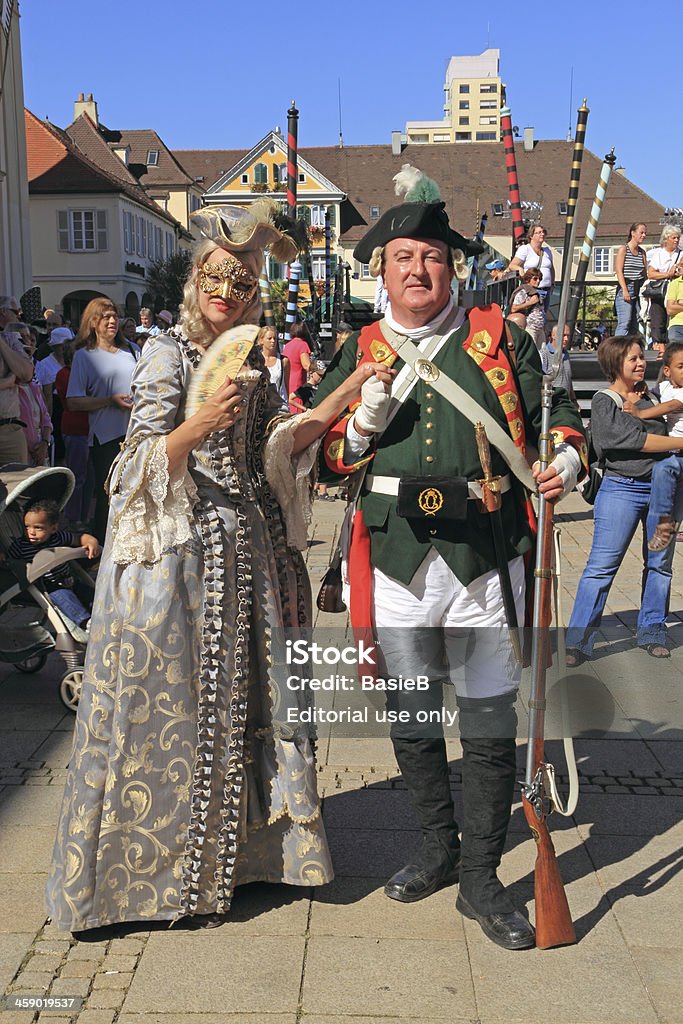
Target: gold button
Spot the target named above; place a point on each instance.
(430, 458)
(430, 440)
(429, 426)
(428, 394)
(432, 533)
(430, 410)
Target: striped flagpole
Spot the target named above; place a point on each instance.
(579, 138)
(328, 261)
(292, 159)
(266, 300)
(292, 297)
(513, 181)
(589, 240)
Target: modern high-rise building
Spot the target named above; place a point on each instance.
(472, 101)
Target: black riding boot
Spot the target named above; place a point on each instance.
(424, 767)
(487, 732)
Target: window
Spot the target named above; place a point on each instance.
(488, 120)
(464, 120)
(488, 104)
(260, 174)
(445, 137)
(304, 213)
(244, 179)
(492, 87)
(195, 202)
(82, 230)
(282, 174)
(419, 140)
(562, 209)
(463, 136)
(486, 136)
(365, 274)
(169, 244)
(152, 157)
(158, 244)
(497, 209)
(318, 268)
(301, 178)
(464, 89)
(374, 212)
(138, 237)
(464, 105)
(317, 216)
(602, 260)
(143, 236)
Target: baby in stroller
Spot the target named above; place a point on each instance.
(41, 523)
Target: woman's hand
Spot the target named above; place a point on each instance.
(631, 408)
(364, 371)
(220, 410)
(124, 402)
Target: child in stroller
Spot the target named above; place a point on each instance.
(31, 623)
(41, 522)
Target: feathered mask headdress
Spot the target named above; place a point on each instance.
(254, 228)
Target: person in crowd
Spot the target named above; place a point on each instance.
(298, 351)
(564, 375)
(99, 384)
(664, 263)
(48, 368)
(303, 400)
(15, 369)
(75, 431)
(630, 264)
(536, 255)
(32, 409)
(630, 448)
(527, 300)
(129, 331)
(147, 324)
(164, 319)
(381, 296)
(52, 319)
(277, 364)
(140, 338)
(344, 331)
(430, 586)
(182, 730)
(41, 525)
(674, 307)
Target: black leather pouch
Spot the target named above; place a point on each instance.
(432, 498)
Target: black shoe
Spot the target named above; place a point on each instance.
(511, 931)
(415, 881)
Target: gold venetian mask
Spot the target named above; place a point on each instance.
(229, 280)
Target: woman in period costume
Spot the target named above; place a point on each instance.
(186, 778)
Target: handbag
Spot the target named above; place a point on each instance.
(655, 290)
(329, 597)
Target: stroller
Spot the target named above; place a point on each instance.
(30, 624)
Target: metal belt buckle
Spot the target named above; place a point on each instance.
(426, 370)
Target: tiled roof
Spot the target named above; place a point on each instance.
(167, 172)
(471, 176)
(79, 160)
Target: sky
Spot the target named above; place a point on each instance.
(222, 74)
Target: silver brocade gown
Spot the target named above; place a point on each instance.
(183, 781)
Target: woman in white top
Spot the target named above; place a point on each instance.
(536, 255)
(278, 365)
(664, 262)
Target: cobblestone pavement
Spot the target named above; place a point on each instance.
(343, 954)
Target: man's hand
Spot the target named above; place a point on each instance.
(375, 395)
(121, 402)
(560, 477)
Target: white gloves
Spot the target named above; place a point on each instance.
(372, 413)
(568, 466)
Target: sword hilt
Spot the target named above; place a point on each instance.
(491, 496)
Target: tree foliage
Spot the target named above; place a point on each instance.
(165, 280)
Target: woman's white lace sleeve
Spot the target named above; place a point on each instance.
(152, 509)
(291, 479)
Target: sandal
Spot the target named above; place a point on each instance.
(657, 651)
(664, 533)
(574, 657)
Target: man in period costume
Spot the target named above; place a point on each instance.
(424, 567)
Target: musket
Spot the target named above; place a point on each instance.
(554, 925)
(589, 240)
(575, 177)
(491, 501)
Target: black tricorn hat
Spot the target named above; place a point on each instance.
(414, 220)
